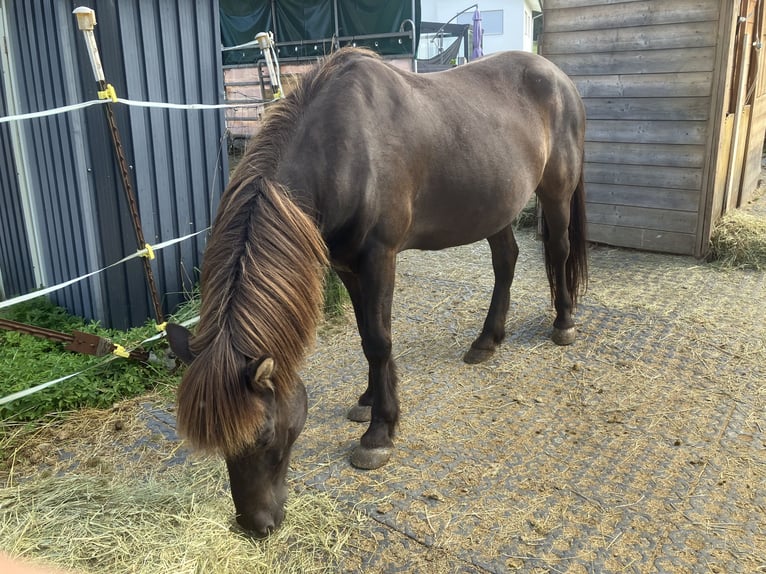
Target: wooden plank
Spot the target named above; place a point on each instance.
(638, 61)
(660, 132)
(645, 13)
(670, 109)
(653, 197)
(662, 37)
(692, 84)
(564, 4)
(736, 170)
(754, 154)
(645, 155)
(642, 217)
(649, 240)
(721, 168)
(658, 176)
(708, 209)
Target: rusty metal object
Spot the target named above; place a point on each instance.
(77, 341)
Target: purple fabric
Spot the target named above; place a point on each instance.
(478, 33)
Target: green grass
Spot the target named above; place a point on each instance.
(335, 296)
(27, 361)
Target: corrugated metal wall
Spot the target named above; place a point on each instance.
(157, 51)
(16, 274)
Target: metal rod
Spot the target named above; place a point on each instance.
(77, 341)
(381, 36)
(86, 21)
(132, 205)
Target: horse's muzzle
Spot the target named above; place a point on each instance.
(261, 523)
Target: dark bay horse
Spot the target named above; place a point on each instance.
(361, 161)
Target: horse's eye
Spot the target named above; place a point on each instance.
(267, 434)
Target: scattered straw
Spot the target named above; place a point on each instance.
(103, 491)
(739, 241)
(177, 522)
(527, 219)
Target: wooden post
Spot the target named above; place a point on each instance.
(740, 104)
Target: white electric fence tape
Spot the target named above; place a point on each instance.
(37, 388)
(139, 253)
(136, 103)
(52, 112)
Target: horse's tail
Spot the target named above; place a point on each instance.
(577, 262)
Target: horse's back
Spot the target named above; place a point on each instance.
(421, 158)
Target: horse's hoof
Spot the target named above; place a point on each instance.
(564, 336)
(474, 356)
(359, 414)
(370, 458)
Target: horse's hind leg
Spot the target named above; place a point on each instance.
(557, 216)
(505, 251)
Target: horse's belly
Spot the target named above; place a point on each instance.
(448, 220)
(436, 237)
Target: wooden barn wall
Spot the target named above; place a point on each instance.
(646, 71)
(756, 100)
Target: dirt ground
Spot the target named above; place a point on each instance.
(640, 448)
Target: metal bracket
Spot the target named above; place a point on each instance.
(89, 344)
(78, 342)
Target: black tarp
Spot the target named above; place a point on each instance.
(305, 29)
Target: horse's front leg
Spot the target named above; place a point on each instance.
(362, 411)
(505, 252)
(375, 278)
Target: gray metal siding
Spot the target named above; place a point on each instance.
(48, 144)
(178, 38)
(15, 259)
(156, 51)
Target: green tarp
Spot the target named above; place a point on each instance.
(300, 27)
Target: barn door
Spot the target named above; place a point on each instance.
(755, 102)
(747, 106)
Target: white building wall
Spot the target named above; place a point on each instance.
(517, 20)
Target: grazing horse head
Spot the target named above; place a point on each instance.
(261, 291)
(257, 470)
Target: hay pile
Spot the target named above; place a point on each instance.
(125, 503)
(739, 241)
(527, 219)
(170, 524)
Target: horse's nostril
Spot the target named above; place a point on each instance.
(264, 530)
(260, 524)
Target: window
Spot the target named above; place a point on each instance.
(491, 21)
(527, 24)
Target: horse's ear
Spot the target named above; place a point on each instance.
(259, 374)
(178, 337)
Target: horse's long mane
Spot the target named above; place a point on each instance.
(261, 285)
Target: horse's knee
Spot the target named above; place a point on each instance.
(377, 348)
